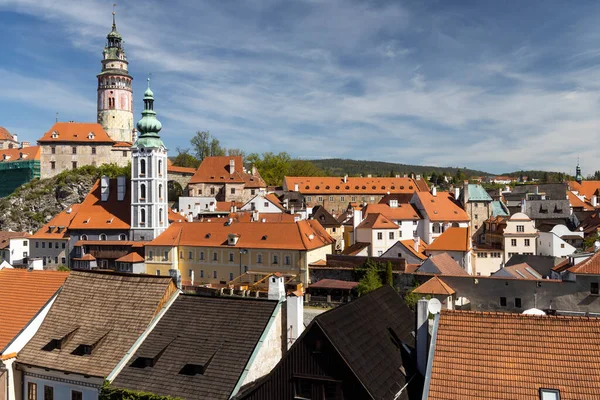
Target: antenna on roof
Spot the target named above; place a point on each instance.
(57, 116)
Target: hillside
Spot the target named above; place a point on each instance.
(30, 206)
(339, 167)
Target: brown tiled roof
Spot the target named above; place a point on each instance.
(275, 200)
(112, 308)
(435, 286)
(441, 264)
(336, 185)
(410, 245)
(561, 266)
(486, 355)
(522, 271)
(576, 202)
(453, 239)
(122, 144)
(78, 132)
(56, 228)
(402, 212)
(590, 266)
(216, 170)
(226, 205)
(333, 284)
(6, 236)
(355, 249)
(377, 221)
(5, 134)
(22, 295)
(180, 170)
(246, 216)
(27, 153)
(132, 257)
(303, 235)
(110, 214)
(85, 257)
(441, 208)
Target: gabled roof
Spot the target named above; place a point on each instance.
(109, 309)
(360, 331)
(499, 209)
(22, 295)
(132, 257)
(589, 266)
(377, 221)
(586, 188)
(576, 202)
(441, 264)
(540, 264)
(302, 235)
(548, 209)
(16, 154)
(518, 271)
(476, 193)
(452, 239)
(435, 286)
(217, 335)
(353, 185)
(76, 132)
(512, 356)
(355, 249)
(6, 236)
(409, 244)
(57, 227)
(216, 170)
(442, 208)
(320, 214)
(333, 284)
(111, 214)
(404, 212)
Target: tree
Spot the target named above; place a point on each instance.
(272, 167)
(369, 282)
(205, 145)
(304, 168)
(389, 274)
(62, 268)
(546, 178)
(237, 153)
(433, 178)
(185, 159)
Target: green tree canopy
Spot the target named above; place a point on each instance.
(205, 145)
(185, 159)
(273, 167)
(370, 281)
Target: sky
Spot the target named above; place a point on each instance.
(492, 85)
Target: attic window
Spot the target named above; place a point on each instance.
(207, 236)
(356, 187)
(410, 187)
(392, 187)
(549, 394)
(337, 187)
(306, 187)
(317, 187)
(373, 187)
(54, 135)
(91, 136)
(383, 187)
(264, 237)
(148, 356)
(557, 210)
(364, 187)
(401, 187)
(212, 177)
(90, 342)
(60, 338)
(327, 187)
(435, 212)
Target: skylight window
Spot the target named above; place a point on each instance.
(549, 394)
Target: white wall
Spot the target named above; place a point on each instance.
(551, 245)
(197, 205)
(262, 205)
(485, 266)
(17, 247)
(62, 384)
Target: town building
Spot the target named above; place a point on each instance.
(51, 243)
(520, 236)
(8, 140)
(264, 203)
(442, 264)
(437, 288)
(25, 298)
(332, 226)
(478, 205)
(223, 250)
(378, 232)
(512, 356)
(559, 242)
(14, 248)
(18, 166)
(226, 179)
(412, 250)
(405, 215)
(115, 94)
(335, 193)
(91, 332)
(456, 242)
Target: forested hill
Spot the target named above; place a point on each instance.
(339, 167)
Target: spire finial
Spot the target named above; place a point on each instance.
(114, 13)
(149, 75)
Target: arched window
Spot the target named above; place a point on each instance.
(83, 237)
(160, 167)
(102, 236)
(142, 192)
(142, 216)
(123, 237)
(142, 167)
(160, 215)
(160, 191)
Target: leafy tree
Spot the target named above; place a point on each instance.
(546, 178)
(433, 178)
(109, 392)
(596, 176)
(63, 268)
(459, 177)
(369, 282)
(389, 274)
(304, 168)
(185, 159)
(237, 153)
(205, 145)
(411, 298)
(590, 240)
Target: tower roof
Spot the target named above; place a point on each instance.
(149, 125)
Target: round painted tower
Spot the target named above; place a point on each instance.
(115, 95)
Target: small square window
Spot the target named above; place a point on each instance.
(549, 394)
(76, 395)
(502, 301)
(594, 290)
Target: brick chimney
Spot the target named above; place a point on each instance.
(231, 166)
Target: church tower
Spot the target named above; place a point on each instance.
(578, 176)
(149, 208)
(115, 97)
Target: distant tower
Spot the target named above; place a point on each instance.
(115, 97)
(149, 208)
(578, 176)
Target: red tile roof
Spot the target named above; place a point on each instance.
(333, 185)
(586, 188)
(576, 202)
(6, 236)
(303, 235)
(122, 144)
(410, 245)
(404, 212)
(377, 221)
(16, 154)
(5, 134)
(486, 355)
(435, 286)
(22, 294)
(76, 132)
(216, 170)
(443, 264)
(590, 266)
(132, 257)
(333, 284)
(452, 239)
(56, 228)
(441, 208)
(96, 214)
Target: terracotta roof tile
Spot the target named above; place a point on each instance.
(410, 245)
(22, 294)
(122, 144)
(16, 154)
(576, 202)
(132, 257)
(5, 134)
(521, 271)
(216, 170)
(57, 227)
(6, 236)
(333, 284)
(111, 214)
(441, 208)
(76, 132)
(590, 266)
(452, 239)
(586, 188)
(441, 264)
(435, 286)
(404, 212)
(486, 355)
(377, 221)
(332, 185)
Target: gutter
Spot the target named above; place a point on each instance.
(121, 364)
(257, 348)
(436, 324)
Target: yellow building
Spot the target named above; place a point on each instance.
(220, 251)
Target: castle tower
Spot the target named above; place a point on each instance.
(149, 208)
(115, 97)
(578, 176)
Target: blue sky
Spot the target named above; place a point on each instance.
(492, 85)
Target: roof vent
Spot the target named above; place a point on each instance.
(264, 237)
(311, 236)
(90, 342)
(91, 136)
(207, 236)
(60, 337)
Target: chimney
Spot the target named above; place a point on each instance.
(357, 214)
(255, 215)
(422, 333)
(456, 193)
(233, 207)
(369, 176)
(416, 243)
(296, 187)
(25, 144)
(523, 206)
(254, 171)
(104, 188)
(292, 210)
(231, 166)
(295, 318)
(594, 201)
(276, 287)
(121, 188)
(346, 178)
(15, 138)
(433, 191)
(465, 194)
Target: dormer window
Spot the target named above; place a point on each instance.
(91, 136)
(54, 135)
